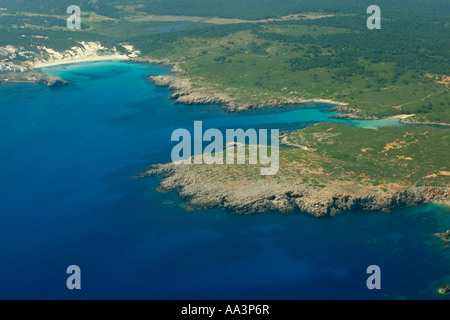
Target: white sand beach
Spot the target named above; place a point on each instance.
(403, 116)
(44, 64)
(88, 52)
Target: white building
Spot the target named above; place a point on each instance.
(10, 67)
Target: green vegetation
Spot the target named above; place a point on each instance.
(415, 156)
(21, 20)
(376, 72)
(328, 155)
(249, 9)
(381, 73)
(403, 68)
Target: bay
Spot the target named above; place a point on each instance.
(67, 197)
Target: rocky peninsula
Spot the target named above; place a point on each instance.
(324, 172)
(261, 196)
(186, 93)
(32, 77)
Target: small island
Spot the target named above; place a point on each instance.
(444, 290)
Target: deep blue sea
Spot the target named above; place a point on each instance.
(67, 197)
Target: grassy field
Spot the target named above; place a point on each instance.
(311, 59)
(328, 154)
(401, 69)
(413, 156)
(334, 58)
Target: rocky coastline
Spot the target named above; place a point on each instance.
(262, 196)
(32, 77)
(185, 93)
(444, 290)
(346, 112)
(175, 67)
(445, 237)
(415, 121)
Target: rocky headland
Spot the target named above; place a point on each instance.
(186, 93)
(445, 237)
(416, 121)
(32, 77)
(261, 196)
(346, 112)
(175, 67)
(444, 290)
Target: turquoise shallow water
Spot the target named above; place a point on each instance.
(67, 197)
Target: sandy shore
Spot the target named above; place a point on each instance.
(403, 116)
(85, 52)
(44, 64)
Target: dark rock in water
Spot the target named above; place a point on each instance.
(55, 82)
(32, 77)
(445, 236)
(445, 290)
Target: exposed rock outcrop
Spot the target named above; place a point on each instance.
(186, 93)
(416, 121)
(445, 237)
(350, 113)
(175, 68)
(32, 77)
(261, 195)
(444, 290)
